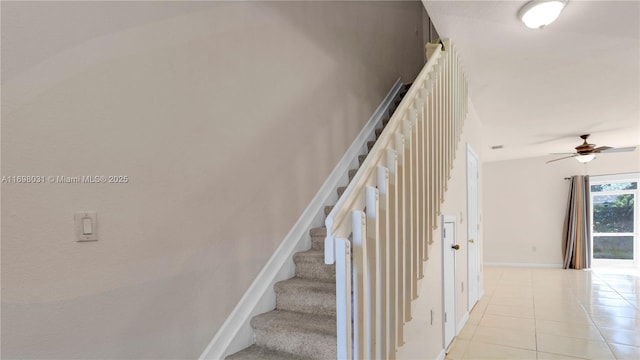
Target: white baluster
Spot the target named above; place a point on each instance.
(343, 298)
(373, 256)
(394, 287)
(382, 181)
(361, 335)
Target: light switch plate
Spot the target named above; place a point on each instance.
(81, 219)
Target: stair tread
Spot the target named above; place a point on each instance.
(306, 285)
(256, 352)
(324, 325)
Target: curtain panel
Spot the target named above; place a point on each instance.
(576, 237)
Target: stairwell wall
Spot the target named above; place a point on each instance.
(226, 117)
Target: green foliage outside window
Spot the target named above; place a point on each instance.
(614, 186)
(613, 213)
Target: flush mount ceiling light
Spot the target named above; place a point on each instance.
(537, 14)
(585, 158)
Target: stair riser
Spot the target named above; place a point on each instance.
(317, 243)
(312, 345)
(312, 303)
(352, 173)
(317, 238)
(327, 209)
(370, 144)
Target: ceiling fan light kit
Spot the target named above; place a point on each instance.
(537, 14)
(585, 158)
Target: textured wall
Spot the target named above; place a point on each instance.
(225, 116)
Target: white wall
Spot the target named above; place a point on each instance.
(423, 340)
(226, 117)
(526, 202)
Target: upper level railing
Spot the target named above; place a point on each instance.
(378, 233)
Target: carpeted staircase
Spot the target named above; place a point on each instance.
(303, 325)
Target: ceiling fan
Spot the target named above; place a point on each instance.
(586, 152)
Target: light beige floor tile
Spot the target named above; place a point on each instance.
(480, 306)
(588, 349)
(570, 316)
(607, 302)
(467, 332)
(619, 336)
(526, 284)
(561, 308)
(475, 318)
(616, 322)
(512, 301)
(550, 356)
(509, 310)
(507, 322)
(579, 331)
(602, 294)
(479, 350)
(594, 288)
(600, 310)
(456, 352)
(513, 292)
(626, 352)
(518, 338)
(624, 290)
(572, 309)
(546, 292)
(635, 302)
(553, 301)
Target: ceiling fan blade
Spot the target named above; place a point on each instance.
(565, 153)
(562, 158)
(623, 149)
(601, 149)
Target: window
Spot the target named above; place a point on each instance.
(614, 220)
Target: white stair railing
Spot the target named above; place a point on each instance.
(379, 232)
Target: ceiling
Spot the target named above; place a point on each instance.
(536, 91)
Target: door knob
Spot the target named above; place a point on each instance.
(455, 247)
(471, 241)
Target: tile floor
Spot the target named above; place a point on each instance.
(540, 313)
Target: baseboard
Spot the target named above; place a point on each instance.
(523, 265)
(462, 322)
(442, 355)
(235, 333)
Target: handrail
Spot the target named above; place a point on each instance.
(339, 209)
(379, 231)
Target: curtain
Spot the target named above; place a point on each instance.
(576, 235)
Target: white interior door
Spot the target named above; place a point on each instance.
(449, 279)
(473, 225)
